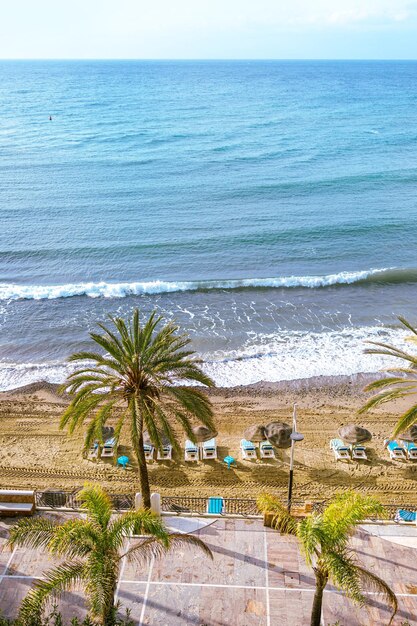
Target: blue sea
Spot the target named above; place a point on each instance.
(270, 208)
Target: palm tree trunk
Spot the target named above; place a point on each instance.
(109, 612)
(137, 440)
(143, 474)
(321, 582)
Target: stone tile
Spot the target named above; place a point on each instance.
(182, 605)
(238, 557)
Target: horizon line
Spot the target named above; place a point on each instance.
(209, 59)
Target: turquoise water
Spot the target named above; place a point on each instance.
(269, 207)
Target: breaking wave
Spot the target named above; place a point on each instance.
(10, 291)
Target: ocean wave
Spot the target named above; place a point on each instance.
(9, 291)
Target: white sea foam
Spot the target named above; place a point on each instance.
(295, 355)
(274, 357)
(10, 291)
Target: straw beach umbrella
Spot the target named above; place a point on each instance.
(202, 433)
(279, 434)
(146, 438)
(410, 434)
(107, 432)
(352, 434)
(255, 433)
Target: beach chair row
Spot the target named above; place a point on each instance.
(398, 451)
(406, 450)
(208, 450)
(192, 452)
(342, 452)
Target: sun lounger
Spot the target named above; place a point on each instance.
(405, 516)
(266, 450)
(215, 506)
(359, 453)
(209, 449)
(411, 450)
(149, 450)
(165, 454)
(396, 451)
(341, 452)
(191, 451)
(247, 449)
(93, 451)
(108, 447)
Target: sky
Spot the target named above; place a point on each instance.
(208, 29)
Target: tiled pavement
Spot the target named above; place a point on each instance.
(257, 578)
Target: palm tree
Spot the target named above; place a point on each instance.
(140, 370)
(324, 541)
(94, 547)
(400, 383)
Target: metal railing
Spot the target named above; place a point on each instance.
(189, 504)
(183, 504)
(58, 499)
(69, 500)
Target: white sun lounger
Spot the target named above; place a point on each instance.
(247, 449)
(149, 450)
(165, 454)
(209, 449)
(191, 451)
(108, 448)
(266, 450)
(396, 451)
(359, 453)
(341, 452)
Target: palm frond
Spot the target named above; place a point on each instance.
(344, 573)
(345, 512)
(140, 522)
(387, 396)
(76, 538)
(97, 504)
(280, 518)
(151, 547)
(32, 533)
(407, 324)
(57, 580)
(373, 582)
(311, 535)
(406, 420)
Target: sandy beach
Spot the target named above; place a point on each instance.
(37, 455)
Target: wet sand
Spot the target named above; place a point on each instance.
(36, 454)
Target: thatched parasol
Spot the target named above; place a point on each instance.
(107, 432)
(354, 434)
(146, 438)
(202, 433)
(278, 434)
(410, 434)
(255, 433)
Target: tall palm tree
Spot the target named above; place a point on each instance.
(141, 368)
(94, 547)
(324, 541)
(400, 383)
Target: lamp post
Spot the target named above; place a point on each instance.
(295, 436)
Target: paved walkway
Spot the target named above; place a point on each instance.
(257, 578)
